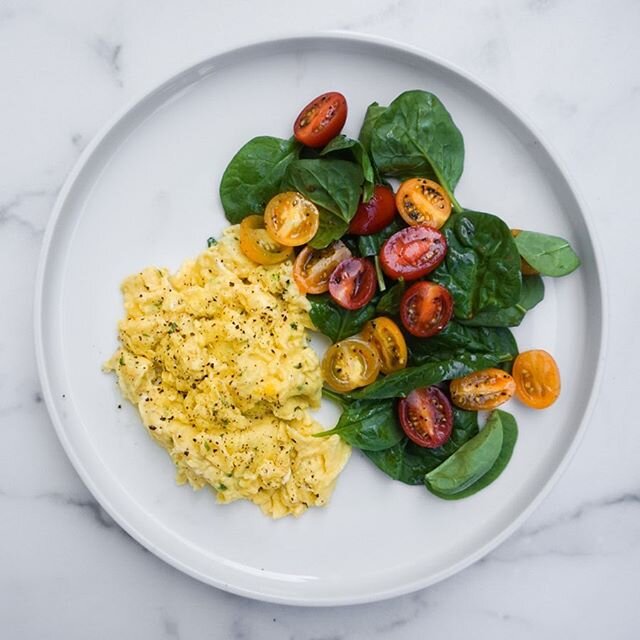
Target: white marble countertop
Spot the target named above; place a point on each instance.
(66, 570)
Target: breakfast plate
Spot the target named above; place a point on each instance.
(144, 193)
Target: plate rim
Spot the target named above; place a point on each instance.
(245, 48)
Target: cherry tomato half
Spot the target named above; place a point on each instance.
(482, 390)
(350, 364)
(537, 378)
(312, 267)
(413, 252)
(425, 309)
(422, 201)
(258, 245)
(384, 334)
(353, 283)
(291, 219)
(376, 214)
(321, 120)
(426, 417)
(525, 267)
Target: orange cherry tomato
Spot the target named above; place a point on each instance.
(525, 267)
(482, 390)
(312, 267)
(423, 201)
(258, 245)
(321, 120)
(350, 364)
(537, 378)
(387, 339)
(291, 219)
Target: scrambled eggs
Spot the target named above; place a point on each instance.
(216, 360)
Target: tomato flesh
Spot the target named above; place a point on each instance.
(350, 364)
(384, 334)
(376, 214)
(291, 219)
(482, 390)
(312, 267)
(258, 245)
(537, 378)
(425, 309)
(426, 417)
(423, 201)
(321, 120)
(353, 283)
(413, 252)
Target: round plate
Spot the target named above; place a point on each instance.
(145, 192)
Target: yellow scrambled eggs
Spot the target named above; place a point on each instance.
(216, 360)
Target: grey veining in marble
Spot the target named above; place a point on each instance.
(67, 570)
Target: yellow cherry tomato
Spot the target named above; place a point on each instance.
(350, 364)
(384, 334)
(258, 246)
(291, 219)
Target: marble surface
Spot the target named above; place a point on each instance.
(66, 570)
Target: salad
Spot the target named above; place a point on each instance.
(416, 292)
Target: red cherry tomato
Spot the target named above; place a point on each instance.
(425, 309)
(321, 120)
(376, 214)
(353, 283)
(413, 252)
(426, 417)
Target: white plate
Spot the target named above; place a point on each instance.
(145, 192)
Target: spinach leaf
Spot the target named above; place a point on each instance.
(455, 339)
(334, 185)
(370, 245)
(331, 228)
(389, 303)
(370, 425)
(342, 143)
(334, 321)
(254, 175)
(482, 266)
(403, 382)
(409, 463)
(531, 294)
(374, 111)
(416, 136)
(549, 255)
(469, 463)
(509, 438)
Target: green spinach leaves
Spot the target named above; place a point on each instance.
(482, 266)
(531, 294)
(335, 321)
(415, 136)
(368, 425)
(478, 462)
(341, 145)
(456, 339)
(332, 184)
(401, 383)
(254, 175)
(548, 255)
(409, 463)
